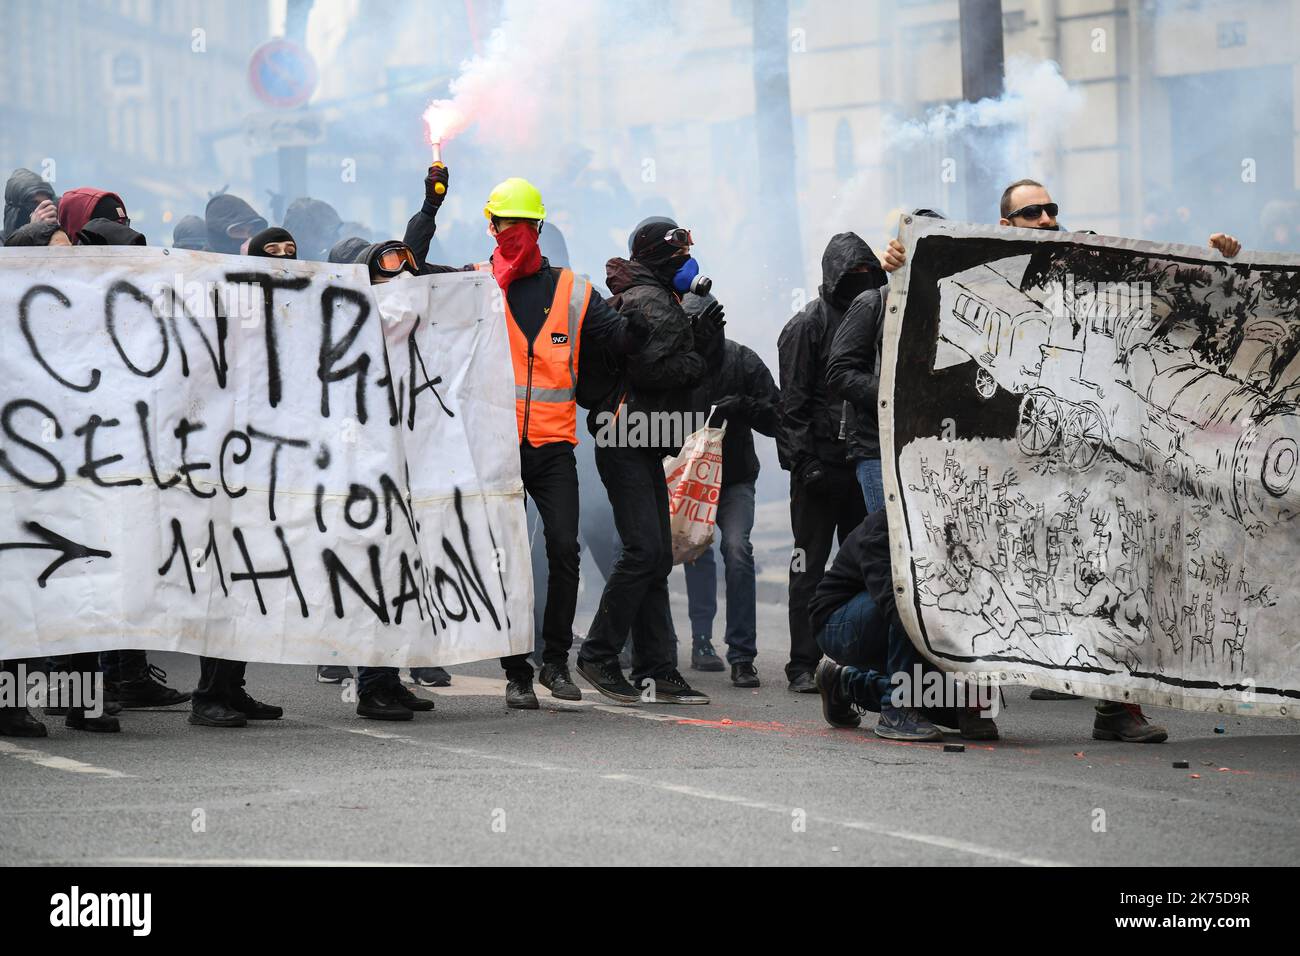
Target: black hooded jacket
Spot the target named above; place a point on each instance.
(662, 376)
(743, 376)
(106, 232)
(862, 563)
(315, 225)
(21, 192)
(813, 425)
(224, 211)
(853, 371)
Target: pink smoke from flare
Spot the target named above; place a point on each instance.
(442, 121)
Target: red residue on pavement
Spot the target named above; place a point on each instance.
(728, 724)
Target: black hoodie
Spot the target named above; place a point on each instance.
(813, 425)
(106, 232)
(224, 211)
(21, 198)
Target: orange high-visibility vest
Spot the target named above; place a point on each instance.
(546, 372)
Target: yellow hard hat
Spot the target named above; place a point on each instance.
(515, 198)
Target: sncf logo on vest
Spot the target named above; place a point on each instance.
(559, 338)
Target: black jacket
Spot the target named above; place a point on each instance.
(861, 564)
(813, 425)
(662, 376)
(20, 198)
(743, 376)
(853, 372)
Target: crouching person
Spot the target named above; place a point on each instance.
(856, 624)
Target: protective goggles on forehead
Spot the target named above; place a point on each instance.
(394, 259)
(1034, 211)
(681, 238)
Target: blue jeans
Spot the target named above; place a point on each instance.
(870, 648)
(735, 521)
(873, 485)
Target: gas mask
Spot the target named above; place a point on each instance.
(688, 278)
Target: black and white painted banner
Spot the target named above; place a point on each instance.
(256, 459)
(1091, 454)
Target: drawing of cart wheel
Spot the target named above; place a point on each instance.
(1039, 422)
(1083, 436)
(986, 385)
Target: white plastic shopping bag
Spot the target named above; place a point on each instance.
(694, 483)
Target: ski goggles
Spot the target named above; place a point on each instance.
(244, 230)
(395, 259)
(679, 237)
(1034, 211)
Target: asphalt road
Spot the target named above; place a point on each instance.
(754, 778)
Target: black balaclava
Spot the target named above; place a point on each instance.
(224, 211)
(106, 232)
(647, 246)
(347, 250)
(191, 232)
(257, 245)
(33, 234)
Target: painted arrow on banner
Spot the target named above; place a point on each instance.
(71, 551)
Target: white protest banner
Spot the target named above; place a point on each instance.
(1090, 449)
(244, 458)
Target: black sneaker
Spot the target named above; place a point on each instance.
(331, 674)
(520, 695)
(803, 684)
(1042, 693)
(144, 690)
(672, 688)
(409, 700)
(254, 709)
(19, 722)
(744, 675)
(214, 714)
(382, 704)
(704, 657)
(430, 677)
(607, 678)
(103, 724)
(556, 679)
(836, 707)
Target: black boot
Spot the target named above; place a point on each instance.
(744, 675)
(520, 695)
(409, 700)
(556, 679)
(144, 689)
(704, 657)
(254, 709)
(103, 724)
(19, 722)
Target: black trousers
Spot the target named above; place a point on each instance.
(218, 680)
(635, 599)
(550, 475)
(830, 509)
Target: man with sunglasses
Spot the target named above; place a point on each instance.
(1026, 204)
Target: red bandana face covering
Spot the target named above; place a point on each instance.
(517, 255)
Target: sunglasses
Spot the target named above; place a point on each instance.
(681, 238)
(1034, 211)
(392, 261)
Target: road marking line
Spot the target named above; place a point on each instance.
(213, 861)
(53, 762)
(496, 687)
(961, 846)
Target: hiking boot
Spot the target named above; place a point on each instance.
(607, 678)
(704, 657)
(973, 726)
(905, 723)
(672, 688)
(836, 706)
(1042, 693)
(411, 701)
(144, 690)
(332, 674)
(744, 674)
(19, 722)
(382, 704)
(520, 695)
(254, 709)
(802, 684)
(556, 679)
(215, 714)
(1126, 722)
(430, 677)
